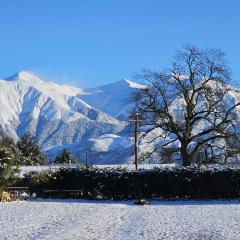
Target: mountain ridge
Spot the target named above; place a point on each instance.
(59, 115)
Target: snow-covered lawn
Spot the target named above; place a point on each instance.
(79, 219)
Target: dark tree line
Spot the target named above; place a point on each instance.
(183, 183)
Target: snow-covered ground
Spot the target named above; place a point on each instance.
(79, 219)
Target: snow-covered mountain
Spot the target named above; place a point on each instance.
(65, 116)
(112, 99)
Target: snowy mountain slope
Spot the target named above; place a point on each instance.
(106, 149)
(51, 112)
(59, 116)
(112, 99)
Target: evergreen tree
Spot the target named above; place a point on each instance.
(64, 157)
(8, 159)
(30, 151)
(9, 143)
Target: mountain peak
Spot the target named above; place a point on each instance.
(131, 84)
(123, 83)
(25, 76)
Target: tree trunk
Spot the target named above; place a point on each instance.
(185, 156)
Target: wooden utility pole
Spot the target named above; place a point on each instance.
(86, 159)
(136, 122)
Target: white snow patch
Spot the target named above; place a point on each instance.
(105, 220)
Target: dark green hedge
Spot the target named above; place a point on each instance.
(183, 183)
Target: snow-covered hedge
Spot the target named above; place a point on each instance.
(184, 183)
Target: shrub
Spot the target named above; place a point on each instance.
(184, 183)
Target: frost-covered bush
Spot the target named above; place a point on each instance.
(38, 180)
(185, 183)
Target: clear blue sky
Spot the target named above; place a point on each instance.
(93, 42)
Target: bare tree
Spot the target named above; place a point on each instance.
(191, 107)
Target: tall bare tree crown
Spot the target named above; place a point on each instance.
(191, 108)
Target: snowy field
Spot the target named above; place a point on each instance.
(79, 219)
